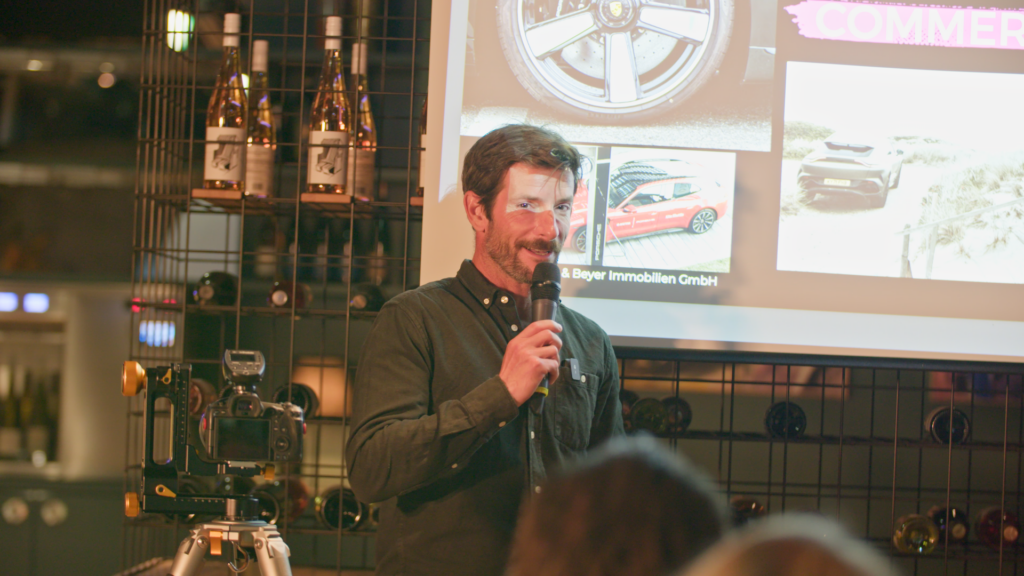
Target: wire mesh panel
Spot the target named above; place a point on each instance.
(293, 275)
(869, 447)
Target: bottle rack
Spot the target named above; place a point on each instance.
(866, 456)
(182, 230)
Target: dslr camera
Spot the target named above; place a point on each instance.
(239, 427)
(239, 434)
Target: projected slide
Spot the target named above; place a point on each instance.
(902, 173)
(667, 73)
(809, 177)
(662, 209)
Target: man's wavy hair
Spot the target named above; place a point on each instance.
(488, 161)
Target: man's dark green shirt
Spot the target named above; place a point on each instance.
(437, 437)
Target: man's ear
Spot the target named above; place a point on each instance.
(476, 212)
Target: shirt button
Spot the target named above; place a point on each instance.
(515, 328)
(504, 299)
(531, 434)
(456, 465)
(583, 378)
(536, 489)
(487, 301)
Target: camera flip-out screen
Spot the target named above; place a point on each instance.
(243, 439)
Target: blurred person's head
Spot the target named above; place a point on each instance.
(632, 508)
(791, 545)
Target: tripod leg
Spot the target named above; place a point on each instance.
(190, 555)
(272, 555)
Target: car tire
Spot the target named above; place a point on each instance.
(878, 200)
(703, 221)
(579, 240)
(554, 82)
(808, 196)
(896, 182)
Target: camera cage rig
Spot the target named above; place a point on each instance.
(160, 480)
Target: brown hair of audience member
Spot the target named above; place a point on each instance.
(632, 508)
(792, 545)
(488, 161)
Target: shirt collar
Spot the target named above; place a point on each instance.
(479, 286)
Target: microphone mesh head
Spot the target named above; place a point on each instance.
(546, 282)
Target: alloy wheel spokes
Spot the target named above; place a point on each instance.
(684, 24)
(553, 35)
(621, 81)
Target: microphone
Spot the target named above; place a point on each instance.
(544, 293)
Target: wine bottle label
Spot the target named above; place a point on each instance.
(259, 171)
(224, 148)
(360, 173)
(10, 442)
(328, 157)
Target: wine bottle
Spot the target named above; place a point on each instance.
(651, 415)
(627, 398)
(18, 399)
(997, 527)
(285, 498)
(679, 414)
(262, 136)
(200, 394)
(915, 534)
(329, 120)
(785, 420)
(362, 154)
(745, 509)
(53, 393)
(37, 420)
(366, 298)
(216, 288)
(377, 265)
(265, 265)
(338, 507)
(947, 424)
(953, 524)
(225, 117)
(10, 432)
(283, 291)
(300, 395)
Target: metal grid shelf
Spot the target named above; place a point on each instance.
(332, 244)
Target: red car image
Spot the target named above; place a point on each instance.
(653, 196)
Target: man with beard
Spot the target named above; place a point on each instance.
(442, 432)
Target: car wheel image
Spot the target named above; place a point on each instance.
(896, 182)
(614, 60)
(703, 221)
(579, 240)
(808, 196)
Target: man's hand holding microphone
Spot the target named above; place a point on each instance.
(531, 359)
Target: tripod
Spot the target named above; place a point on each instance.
(271, 551)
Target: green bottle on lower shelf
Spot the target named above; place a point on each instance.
(915, 534)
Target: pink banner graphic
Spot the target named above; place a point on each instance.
(910, 24)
